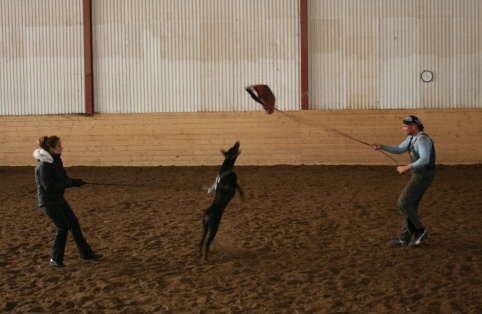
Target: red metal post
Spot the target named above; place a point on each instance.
(304, 53)
(88, 58)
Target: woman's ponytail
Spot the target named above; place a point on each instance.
(47, 142)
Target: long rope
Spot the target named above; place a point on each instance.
(331, 129)
(119, 184)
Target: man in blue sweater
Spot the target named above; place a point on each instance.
(421, 150)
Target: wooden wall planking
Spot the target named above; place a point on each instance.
(195, 139)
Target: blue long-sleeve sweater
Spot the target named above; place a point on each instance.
(422, 146)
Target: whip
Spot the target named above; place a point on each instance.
(262, 94)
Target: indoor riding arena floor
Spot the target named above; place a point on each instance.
(305, 239)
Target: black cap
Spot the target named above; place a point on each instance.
(413, 120)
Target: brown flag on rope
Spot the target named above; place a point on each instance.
(263, 95)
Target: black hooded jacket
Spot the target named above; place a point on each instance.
(51, 178)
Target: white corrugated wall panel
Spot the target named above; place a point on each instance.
(344, 54)
(362, 54)
(399, 46)
(248, 42)
(467, 70)
(327, 76)
(41, 57)
(436, 52)
(189, 56)
(369, 54)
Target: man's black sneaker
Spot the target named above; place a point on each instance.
(397, 242)
(418, 238)
(94, 256)
(56, 264)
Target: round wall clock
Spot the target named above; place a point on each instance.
(426, 76)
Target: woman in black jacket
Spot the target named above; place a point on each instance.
(52, 180)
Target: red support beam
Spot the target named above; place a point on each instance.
(88, 59)
(304, 53)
